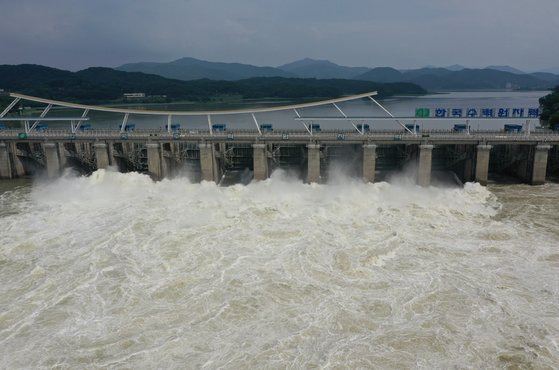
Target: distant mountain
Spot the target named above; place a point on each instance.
(427, 72)
(487, 79)
(91, 84)
(454, 77)
(98, 84)
(466, 79)
(387, 74)
(26, 74)
(187, 69)
(312, 68)
(455, 67)
(506, 69)
(383, 74)
(109, 84)
(544, 76)
(551, 70)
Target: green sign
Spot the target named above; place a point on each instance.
(422, 112)
(22, 135)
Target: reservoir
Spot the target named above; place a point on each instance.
(399, 106)
(116, 270)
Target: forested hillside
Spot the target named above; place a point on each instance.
(98, 85)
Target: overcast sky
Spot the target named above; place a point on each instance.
(75, 34)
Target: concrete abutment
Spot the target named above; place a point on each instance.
(5, 162)
(101, 155)
(260, 161)
(154, 160)
(539, 166)
(52, 161)
(424, 165)
(208, 163)
(482, 163)
(313, 165)
(369, 162)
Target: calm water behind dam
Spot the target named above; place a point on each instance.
(117, 271)
(399, 106)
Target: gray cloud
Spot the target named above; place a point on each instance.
(74, 34)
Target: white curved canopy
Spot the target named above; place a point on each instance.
(188, 113)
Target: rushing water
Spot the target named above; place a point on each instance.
(114, 270)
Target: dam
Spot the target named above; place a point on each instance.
(117, 270)
(217, 154)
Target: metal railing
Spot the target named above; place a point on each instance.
(283, 134)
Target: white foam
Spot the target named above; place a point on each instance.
(117, 270)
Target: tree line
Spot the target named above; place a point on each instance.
(550, 109)
(105, 85)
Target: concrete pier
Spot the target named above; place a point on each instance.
(313, 158)
(260, 161)
(18, 170)
(468, 175)
(539, 167)
(112, 154)
(62, 155)
(424, 167)
(369, 162)
(482, 163)
(154, 160)
(166, 162)
(206, 156)
(101, 155)
(5, 163)
(51, 159)
(208, 163)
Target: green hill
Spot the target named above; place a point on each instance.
(550, 109)
(431, 78)
(187, 69)
(441, 79)
(99, 84)
(311, 68)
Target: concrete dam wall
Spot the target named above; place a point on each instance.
(228, 158)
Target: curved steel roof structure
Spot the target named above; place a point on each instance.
(188, 113)
(126, 111)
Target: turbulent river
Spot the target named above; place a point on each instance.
(114, 270)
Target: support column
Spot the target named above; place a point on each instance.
(18, 167)
(51, 160)
(79, 149)
(5, 163)
(101, 155)
(166, 162)
(468, 167)
(482, 163)
(369, 162)
(127, 149)
(260, 161)
(424, 170)
(62, 155)
(208, 163)
(112, 158)
(539, 167)
(313, 159)
(154, 160)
